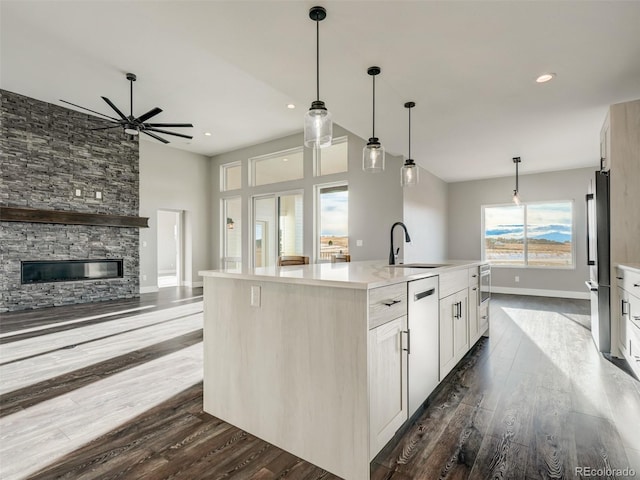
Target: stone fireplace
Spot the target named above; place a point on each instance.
(52, 161)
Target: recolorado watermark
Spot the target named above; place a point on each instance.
(605, 472)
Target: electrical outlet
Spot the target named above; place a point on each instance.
(144, 278)
(98, 195)
(255, 296)
(517, 279)
(144, 244)
(358, 243)
(78, 192)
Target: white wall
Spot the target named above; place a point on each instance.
(464, 226)
(425, 215)
(172, 179)
(375, 200)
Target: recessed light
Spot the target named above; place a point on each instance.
(207, 134)
(545, 77)
(285, 159)
(290, 106)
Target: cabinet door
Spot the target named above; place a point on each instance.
(474, 325)
(483, 319)
(461, 326)
(387, 382)
(448, 314)
(623, 314)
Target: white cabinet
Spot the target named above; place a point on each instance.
(387, 382)
(454, 330)
(387, 363)
(474, 296)
(627, 314)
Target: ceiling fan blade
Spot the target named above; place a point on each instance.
(110, 103)
(155, 136)
(106, 128)
(88, 109)
(146, 116)
(175, 125)
(168, 133)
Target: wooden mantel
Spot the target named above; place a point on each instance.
(34, 215)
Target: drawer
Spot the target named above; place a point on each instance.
(633, 334)
(629, 281)
(474, 276)
(387, 303)
(452, 282)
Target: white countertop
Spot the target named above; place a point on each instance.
(634, 267)
(360, 275)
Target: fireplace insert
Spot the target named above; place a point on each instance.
(70, 270)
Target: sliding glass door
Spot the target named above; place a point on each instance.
(277, 227)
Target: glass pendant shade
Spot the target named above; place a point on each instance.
(516, 197)
(373, 156)
(409, 174)
(318, 127)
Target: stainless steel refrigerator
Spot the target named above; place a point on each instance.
(598, 259)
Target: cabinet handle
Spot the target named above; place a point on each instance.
(636, 284)
(636, 318)
(454, 306)
(390, 303)
(623, 303)
(620, 278)
(474, 289)
(484, 317)
(474, 276)
(408, 349)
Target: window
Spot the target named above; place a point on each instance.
(230, 176)
(231, 232)
(277, 167)
(332, 220)
(534, 234)
(277, 227)
(333, 159)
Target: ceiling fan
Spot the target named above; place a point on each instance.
(136, 125)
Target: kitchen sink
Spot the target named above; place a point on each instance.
(418, 265)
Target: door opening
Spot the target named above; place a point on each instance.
(169, 248)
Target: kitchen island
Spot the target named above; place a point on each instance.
(313, 358)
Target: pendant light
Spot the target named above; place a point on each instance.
(516, 193)
(318, 127)
(409, 172)
(373, 152)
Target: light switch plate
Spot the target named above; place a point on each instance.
(255, 296)
(99, 195)
(78, 192)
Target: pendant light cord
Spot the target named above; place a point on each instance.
(318, 59)
(374, 107)
(409, 132)
(517, 177)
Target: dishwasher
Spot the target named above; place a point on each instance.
(423, 344)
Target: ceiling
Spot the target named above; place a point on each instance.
(231, 67)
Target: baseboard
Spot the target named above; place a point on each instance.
(151, 289)
(538, 292)
(193, 284)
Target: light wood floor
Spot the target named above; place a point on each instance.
(113, 390)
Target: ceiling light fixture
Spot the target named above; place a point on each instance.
(207, 134)
(409, 172)
(290, 106)
(318, 127)
(131, 131)
(545, 77)
(373, 152)
(516, 193)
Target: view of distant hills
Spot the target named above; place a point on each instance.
(552, 233)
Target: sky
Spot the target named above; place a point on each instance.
(334, 214)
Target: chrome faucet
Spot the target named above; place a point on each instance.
(407, 238)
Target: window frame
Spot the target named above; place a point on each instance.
(318, 217)
(223, 176)
(223, 225)
(317, 157)
(252, 232)
(281, 153)
(526, 265)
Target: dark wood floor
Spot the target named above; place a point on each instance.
(534, 400)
